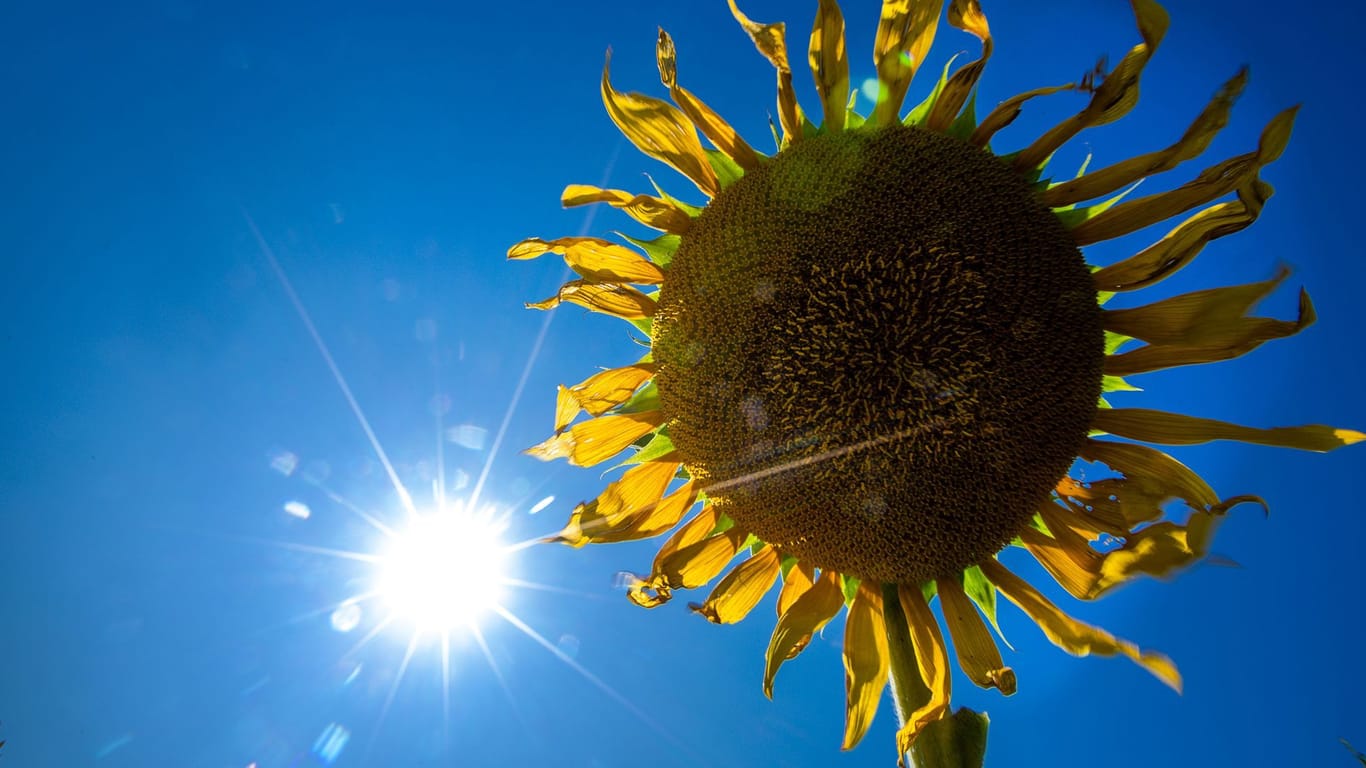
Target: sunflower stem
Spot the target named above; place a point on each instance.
(957, 741)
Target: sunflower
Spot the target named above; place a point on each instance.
(878, 356)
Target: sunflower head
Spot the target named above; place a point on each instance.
(876, 354)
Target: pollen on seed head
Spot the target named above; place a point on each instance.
(880, 351)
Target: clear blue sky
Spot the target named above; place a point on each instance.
(162, 607)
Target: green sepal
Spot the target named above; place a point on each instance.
(727, 170)
(1072, 217)
(657, 444)
(1113, 341)
(645, 399)
(849, 586)
(661, 250)
(922, 110)
(753, 543)
(723, 524)
(693, 211)
(645, 325)
(1110, 383)
(929, 589)
(853, 119)
(786, 564)
(966, 122)
(982, 593)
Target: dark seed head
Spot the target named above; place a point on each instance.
(879, 352)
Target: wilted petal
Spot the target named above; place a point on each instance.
(1073, 636)
(600, 392)
(594, 259)
(978, 655)
(905, 33)
(650, 211)
(802, 619)
(830, 63)
(742, 588)
(865, 662)
(932, 658)
(621, 301)
(590, 442)
(1174, 429)
(660, 131)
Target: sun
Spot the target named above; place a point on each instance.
(446, 570)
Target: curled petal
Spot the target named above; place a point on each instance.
(802, 619)
(716, 129)
(1213, 182)
(771, 40)
(597, 260)
(1180, 246)
(865, 662)
(591, 442)
(640, 488)
(1193, 142)
(798, 579)
(1005, 113)
(965, 15)
(978, 655)
(621, 301)
(650, 211)
(600, 392)
(1175, 429)
(1114, 97)
(685, 562)
(1150, 479)
(1075, 637)
(741, 589)
(933, 660)
(660, 131)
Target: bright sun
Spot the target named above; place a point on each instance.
(445, 570)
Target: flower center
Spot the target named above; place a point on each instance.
(879, 352)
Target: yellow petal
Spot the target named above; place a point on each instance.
(1213, 182)
(690, 558)
(660, 131)
(716, 129)
(621, 301)
(1005, 113)
(741, 589)
(1174, 429)
(1200, 327)
(1067, 557)
(978, 655)
(1150, 479)
(596, 260)
(1073, 636)
(905, 33)
(865, 662)
(1116, 94)
(965, 15)
(803, 618)
(650, 211)
(652, 520)
(590, 442)
(771, 40)
(1193, 142)
(600, 392)
(799, 578)
(641, 487)
(1180, 246)
(830, 63)
(933, 660)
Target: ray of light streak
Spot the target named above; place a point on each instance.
(393, 691)
(596, 681)
(524, 584)
(371, 635)
(337, 376)
(351, 506)
(316, 612)
(445, 685)
(343, 554)
(535, 350)
(502, 681)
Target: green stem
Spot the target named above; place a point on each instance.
(957, 741)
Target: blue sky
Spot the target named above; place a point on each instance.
(163, 606)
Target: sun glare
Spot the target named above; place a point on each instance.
(445, 570)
